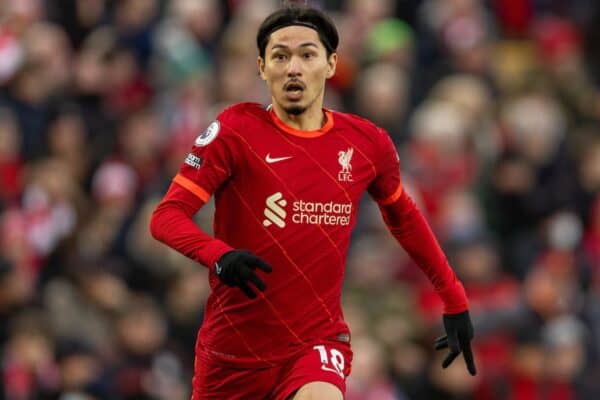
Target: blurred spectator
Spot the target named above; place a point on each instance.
(139, 146)
(368, 380)
(127, 89)
(382, 96)
(185, 296)
(50, 203)
(114, 190)
(11, 162)
(19, 253)
(144, 370)
(28, 370)
(78, 17)
(80, 371)
(531, 179)
(66, 140)
(439, 153)
(391, 40)
(474, 99)
(134, 22)
(47, 47)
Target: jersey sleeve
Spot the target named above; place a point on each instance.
(411, 230)
(386, 188)
(172, 224)
(210, 163)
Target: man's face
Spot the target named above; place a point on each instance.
(296, 67)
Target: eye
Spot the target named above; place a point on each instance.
(308, 56)
(279, 57)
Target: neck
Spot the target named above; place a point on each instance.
(311, 119)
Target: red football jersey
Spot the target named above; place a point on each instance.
(290, 197)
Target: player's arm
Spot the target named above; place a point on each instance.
(411, 230)
(409, 227)
(172, 224)
(206, 168)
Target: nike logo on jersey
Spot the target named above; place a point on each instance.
(272, 160)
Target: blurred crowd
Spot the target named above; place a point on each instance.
(494, 106)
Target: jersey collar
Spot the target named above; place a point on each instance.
(298, 132)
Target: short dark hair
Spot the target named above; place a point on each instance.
(302, 16)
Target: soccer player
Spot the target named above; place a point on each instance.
(287, 179)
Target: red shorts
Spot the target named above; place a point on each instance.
(325, 361)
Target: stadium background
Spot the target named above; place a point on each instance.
(494, 107)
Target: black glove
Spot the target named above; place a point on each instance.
(236, 268)
(459, 332)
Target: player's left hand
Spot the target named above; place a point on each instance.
(237, 268)
(459, 332)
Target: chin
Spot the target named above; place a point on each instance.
(294, 110)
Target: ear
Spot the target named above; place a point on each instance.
(331, 65)
(260, 63)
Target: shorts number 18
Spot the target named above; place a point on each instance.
(335, 359)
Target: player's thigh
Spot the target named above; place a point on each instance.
(318, 391)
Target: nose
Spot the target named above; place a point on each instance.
(294, 68)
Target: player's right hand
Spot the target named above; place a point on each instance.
(237, 268)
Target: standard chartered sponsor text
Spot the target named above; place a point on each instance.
(318, 213)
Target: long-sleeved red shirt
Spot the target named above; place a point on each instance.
(290, 197)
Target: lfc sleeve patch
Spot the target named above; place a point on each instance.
(193, 160)
(209, 134)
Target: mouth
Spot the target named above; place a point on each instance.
(294, 90)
